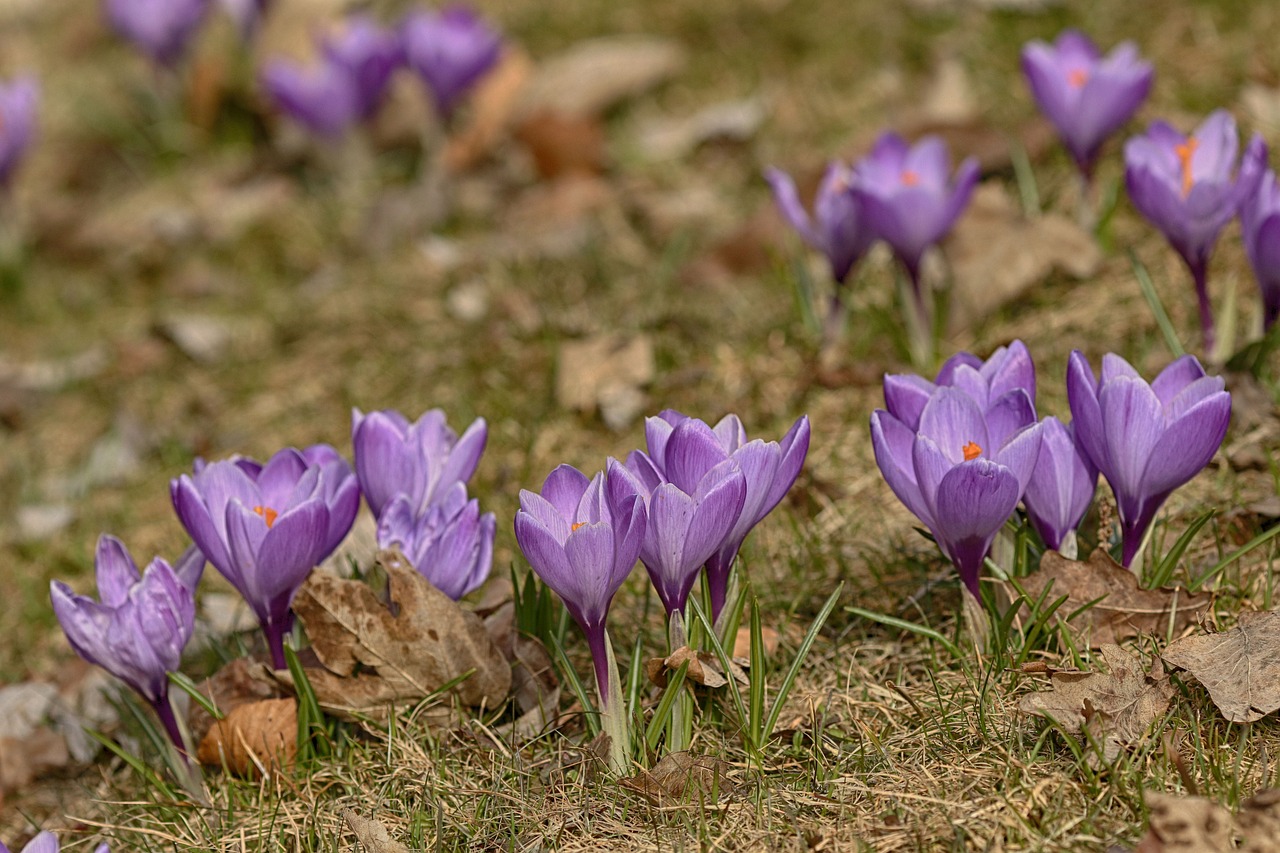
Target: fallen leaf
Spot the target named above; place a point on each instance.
(372, 834)
(604, 372)
(233, 685)
(997, 255)
(373, 657)
(1116, 708)
(563, 144)
(1125, 610)
(492, 107)
(742, 642)
(254, 738)
(684, 778)
(704, 668)
(594, 75)
(1182, 824)
(1240, 668)
(729, 121)
(1259, 822)
(25, 759)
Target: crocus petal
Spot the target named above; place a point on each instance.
(953, 420)
(45, 842)
(905, 396)
(545, 554)
(1131, 416)
(1188, 444)
(115, 570)
(691, 451)
(1180, 373)
(590, 552)
(788, 201)
(1082, 396)
(892, 441)
(562, 490)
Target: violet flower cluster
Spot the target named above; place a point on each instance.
(414, 476)
(962, 451)
(449, 50)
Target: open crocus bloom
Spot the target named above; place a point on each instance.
(368, 54)
(451, 50)
(838, 227)
(141, 624)
(1085, 95)
(265, 527)
(320, 97)
(1147, 440)
(1006, 380)
(959, 473)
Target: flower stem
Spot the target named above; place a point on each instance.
(1200, 273)
(275, 633)
(164, 710)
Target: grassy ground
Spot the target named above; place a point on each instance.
(901, 746)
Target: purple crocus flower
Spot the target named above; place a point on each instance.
(1260, 224)
(369, 54)
(1147, 440)
(838, 227)
(1184, 186)
(47, 842)
(421, 459)
(690, 515)
(321, 97)
(768, 467)
(161, 29)
(583, 540)
(1004, 385)
(18, 100)
(957, 472)
(265, 527)
(1085, 95)
(451, 544)
(1061, 486)
(138, 629)
(451, 50)
(909, 197)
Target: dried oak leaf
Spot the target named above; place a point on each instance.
(253, 738)
(682, 777)
(1115, 708)
(1185, 825)
(704, 668)
(372, 834)
(1125, 610)
(373, 657)
(1240, 668)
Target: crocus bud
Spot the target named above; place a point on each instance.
(1061, 486)
(1146, 439)
(450, 50)
(321, 97)
(162, 29)
(368, 53)
(1085, 95)
(838, 227)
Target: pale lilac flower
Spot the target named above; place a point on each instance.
(369, 54)
(1147, 440)
(1003, 386)
(956, 473)
(421, 459)
(1062, 486)
(451, 50)
(1189, 188)
(140, 625)
(265, 527)
(18, 100)
(768, 467)
(1260, 225)
(322, 96)
(451, 544)
(162, 29)
(838, 227)
(1085, 95)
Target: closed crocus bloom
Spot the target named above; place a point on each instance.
(1260, 223)
(909, 196)
(1061, 487)
(18, 100)
(769, 469)
(266, 531)
(1085, 95)
(161, 29)
(1005, 381)
(451, 544)
(838, 227)
(1187, 187)
(1147, 440)
(369, 54)
(583, 540)
(322, 97)
(421, 460)
(451, 50)
(140, 625)
(956, 474)
(689, 515)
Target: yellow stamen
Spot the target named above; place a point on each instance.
(972, 451)
(268, 514)
(1077, 77)
(1185, 152)
(910, 178)
(576, 525)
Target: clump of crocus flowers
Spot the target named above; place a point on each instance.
(962, 451)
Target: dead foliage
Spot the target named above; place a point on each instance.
(1240, 668)
(682, 777)
(254, 739)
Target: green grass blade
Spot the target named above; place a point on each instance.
(759, 672)
(1157, 307)
(725, 662)
(1260, 539)
(801, 654)
(189, 687)
(661, 714)
(912, 627)
(1163, 571)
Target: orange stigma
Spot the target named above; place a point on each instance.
(1185, 152)
(972, 451)
(576, 525)
(268, 514)
(1077, 77)
(910, 178)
